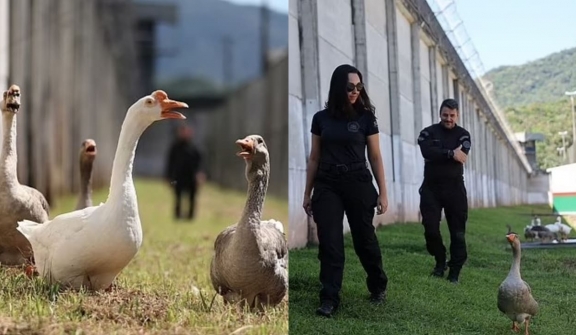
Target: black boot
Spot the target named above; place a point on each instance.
(439, 269)
(453, 275)
(327, 309)
(378, 297)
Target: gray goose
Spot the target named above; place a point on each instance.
(87, 156)
(514, 294)
(249, 265)
(17, 202)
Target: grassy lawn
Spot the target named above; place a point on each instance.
(418, 304)
(165, 290)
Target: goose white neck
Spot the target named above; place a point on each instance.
(121, 183)
(8, 157)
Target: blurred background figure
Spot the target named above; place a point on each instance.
(183, 170)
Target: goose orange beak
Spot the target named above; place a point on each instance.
(90, 147)
(247, 147)
(510, 238)
(168, 107)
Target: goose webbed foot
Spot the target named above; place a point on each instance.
(526, 332)
(111, 287)
(30, 271)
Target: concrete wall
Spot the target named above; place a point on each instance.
(409, 67)
(260, 107)
(538, 188)
(73, 61)
(4, 37)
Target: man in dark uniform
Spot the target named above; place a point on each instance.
(182, 168)
(445, 147)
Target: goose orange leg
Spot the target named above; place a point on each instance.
(526, 327)
(515, 327)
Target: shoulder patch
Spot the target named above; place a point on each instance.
(423, 135)
(466, 144)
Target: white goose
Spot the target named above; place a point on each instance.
(558, 226)
(89, 247)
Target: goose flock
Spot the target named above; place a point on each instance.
(87, 248)
(556, 232)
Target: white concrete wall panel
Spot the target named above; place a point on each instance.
(294, 74)
(335, 25)
(376, 15)
(335, 41)
(439, 84)
(425, 84)
(377, 60)
(412, 180)
(298, 223)
(405, 78)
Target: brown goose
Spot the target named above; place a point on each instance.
(514, 294)
(87, 156)
(17, 202)
(250, 260)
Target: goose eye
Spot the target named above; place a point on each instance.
(149, 102)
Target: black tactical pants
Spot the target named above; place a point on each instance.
(330, 200)
(179, 190)
(452, 197)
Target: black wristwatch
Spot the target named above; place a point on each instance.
(450, 154)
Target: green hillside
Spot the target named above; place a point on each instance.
(532, 96)
(542, 80)
(548, 119)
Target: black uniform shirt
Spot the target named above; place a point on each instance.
(343, 141)
(184, 161)
(437, 144)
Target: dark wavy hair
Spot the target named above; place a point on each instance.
(338, 104)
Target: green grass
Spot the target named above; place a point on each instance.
(166, 289)
(419, 304)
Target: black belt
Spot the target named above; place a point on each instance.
(342, 168)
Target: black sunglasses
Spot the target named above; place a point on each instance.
(350, 87)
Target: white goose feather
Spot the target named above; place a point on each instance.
(89, 247)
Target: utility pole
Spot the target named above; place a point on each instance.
(563, 149)
(227, 62)
(572, 94)
(264, 36)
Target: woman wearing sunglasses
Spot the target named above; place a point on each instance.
(338, 174)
